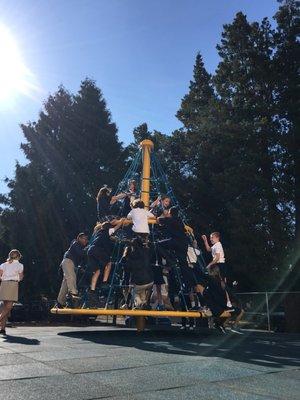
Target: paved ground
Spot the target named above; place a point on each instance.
(104, 362)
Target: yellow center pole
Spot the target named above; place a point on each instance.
(147, 146)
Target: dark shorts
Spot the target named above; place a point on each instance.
(188, 276)
(223, 270)
(199, 275)
(158, 275)
(95, 263)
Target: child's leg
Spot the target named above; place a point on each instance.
(95, 278)
(7, 306)
(70, 275)
(107, 270)
(3, 322)
(137, 296)
(62, 295)
(159, 295)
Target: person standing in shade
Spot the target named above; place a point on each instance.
(11, 273)
(73, 257)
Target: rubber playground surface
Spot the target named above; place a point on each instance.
(99, 362)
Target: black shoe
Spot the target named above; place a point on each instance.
(58, 305)
(92, 300)
(221, 329)
(73, 300)
(3, 332)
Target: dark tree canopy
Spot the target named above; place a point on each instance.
(73, 149)
(234, 164)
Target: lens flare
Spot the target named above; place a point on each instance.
(15, 77)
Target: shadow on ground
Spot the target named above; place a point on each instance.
(20, 340)
(264, 349)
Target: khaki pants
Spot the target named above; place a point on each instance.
(142, 294)
(68, 284)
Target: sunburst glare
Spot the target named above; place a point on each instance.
(15, 77)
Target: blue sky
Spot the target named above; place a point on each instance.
(140, 52)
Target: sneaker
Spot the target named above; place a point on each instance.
(58, 305)
(221, 329)
(73, 301)
(92, 300)
(211, 324)
(206, 311)
(146, 307)
(3, 332)
(235, 328)
(184, 327)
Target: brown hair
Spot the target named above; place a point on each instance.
(81, 235)
(217, 234)
(138, 203)
(133, 182)
(14, 254)
(102, 226)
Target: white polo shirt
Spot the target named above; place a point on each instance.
(139, 218)
(11, 270)
(217, 248)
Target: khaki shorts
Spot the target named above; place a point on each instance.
(9, 291)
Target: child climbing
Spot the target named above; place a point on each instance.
(160, 206)
(217, 253)
(99, 257)
(73, 257)
(130, 196)
(137, 257)
(104, 202)
(139, 216)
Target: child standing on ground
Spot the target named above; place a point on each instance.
(11, 273)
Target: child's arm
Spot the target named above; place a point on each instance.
(155, 203)
(215, 260)
(117, 197)
(150, 215)
(207, 246)
(21, 273)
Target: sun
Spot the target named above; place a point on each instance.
(15, 77)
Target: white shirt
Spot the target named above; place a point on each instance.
(192, 255)
(11, 270)
(139, 218)
(217, 248)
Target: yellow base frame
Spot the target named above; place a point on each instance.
(132, 313)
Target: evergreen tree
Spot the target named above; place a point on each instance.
(287, 63)
(72, 149)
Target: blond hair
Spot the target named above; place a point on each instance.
(14, 254)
